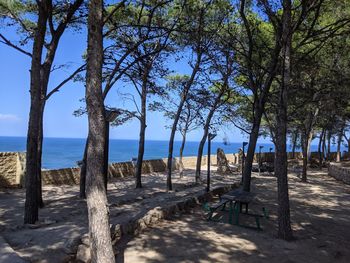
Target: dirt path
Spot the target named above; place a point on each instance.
(320, 212)
(64, 217)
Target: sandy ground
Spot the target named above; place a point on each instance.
(320, 214)
(63, 220)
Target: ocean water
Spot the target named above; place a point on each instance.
(65, 152)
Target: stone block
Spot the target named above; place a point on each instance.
(83, 253)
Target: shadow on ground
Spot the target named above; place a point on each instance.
(320, 214)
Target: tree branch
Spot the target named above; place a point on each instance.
(10, 44)
(56, 89)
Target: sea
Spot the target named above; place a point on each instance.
(65, 152)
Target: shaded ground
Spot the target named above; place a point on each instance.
(320, 213)
(63, 221)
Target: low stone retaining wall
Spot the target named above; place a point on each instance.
(136, 226)
(340, 171)
(71, 176)
(65, 176)
(12, 165)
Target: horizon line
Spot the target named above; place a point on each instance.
(123, 139)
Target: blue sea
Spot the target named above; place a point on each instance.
(65, 152)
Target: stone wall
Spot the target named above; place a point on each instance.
(65, 176)
(12, 166)
(340, 171)
(71, 176)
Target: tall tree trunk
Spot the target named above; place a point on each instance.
(182, 147)
(39, 80)
(171, 141)
(281, 162)
(106, 154)
(200, 154)
(320, 149)
(309, 141)
(99, 231)
(138, 171)
(31, 213)
(205, 135)
(259, 98)
(82, 183)
(249, 158)
(324, 145)
(306, 146)
(340, 138)
(329, 136)
(304, 143)
(294, 143)
(177, 117)
(40, 153)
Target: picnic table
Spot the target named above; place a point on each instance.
(236, 199)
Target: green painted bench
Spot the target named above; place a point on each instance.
(237, 199)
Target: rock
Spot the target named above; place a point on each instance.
(223, 165)
(117, 231)
(71, 245)
(83, 253)
(141, 225)
(47, 222)
(33, 226)
(147, 219)
(234, 168)
(85, 240)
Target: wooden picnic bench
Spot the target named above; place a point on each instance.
(237, 198)
(212, 208)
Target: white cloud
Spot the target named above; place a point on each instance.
(9, 117)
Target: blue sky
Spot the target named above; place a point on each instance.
(59, 120)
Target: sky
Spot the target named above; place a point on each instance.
(58, 118)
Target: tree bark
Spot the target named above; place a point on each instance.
(329, 136)
(205, 135)
(259, 98)
(39, 80)
(31, 212)
(182, 147)
(200, 154)
(294, 143)
(324, 145)
(82, 183)
(305, 159)
(309, 141)
(177, 117)
(171, 141)
(281, 162)
(138, 170)
(98, 211)
(320, 149)
(106, 155)
(249, 158)
(340, 137)
(306, 149)
(40, 153)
